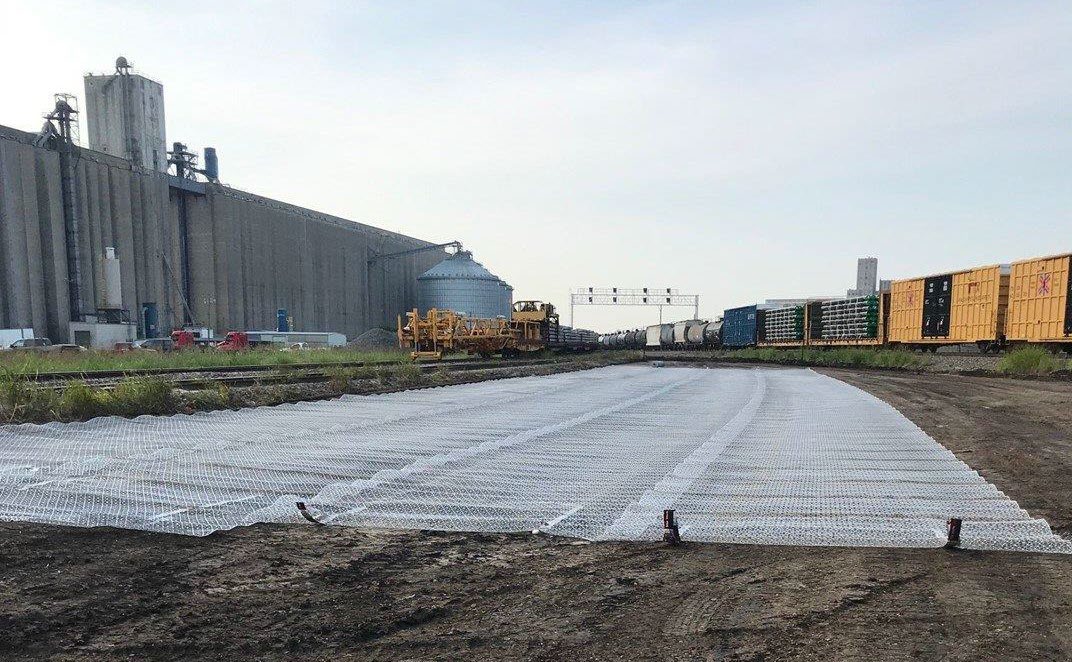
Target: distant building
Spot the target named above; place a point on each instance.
(866, 278)
(126, 117)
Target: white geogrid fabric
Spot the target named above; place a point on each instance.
(779, 456)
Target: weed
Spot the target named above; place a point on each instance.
(441, 375)
(408, 375)
(104, 360)
(339, 379)
(210, 399)
(832, 357)
(22, 400)
(1031, 361)
(142, 395)
(80, 402)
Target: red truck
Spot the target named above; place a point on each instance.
(235, 341)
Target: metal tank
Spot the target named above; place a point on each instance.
(651, 337)
(694, 334)
(507, 298)
(462, 284)
(712, 334)
(681, 331)
(666, 335)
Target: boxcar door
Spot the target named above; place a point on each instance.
(937, 300)
(1068, 299)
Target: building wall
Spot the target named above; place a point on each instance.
(866, 276)
(249, 255)
(125, 114)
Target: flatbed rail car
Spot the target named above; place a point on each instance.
(554, 334)
(780, 327)
(440, 332)
(850, 322)
(533, 326)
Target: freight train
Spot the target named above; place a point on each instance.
(688, 334)
(992, 307)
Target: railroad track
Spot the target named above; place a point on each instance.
(160, 372)
(240, 376)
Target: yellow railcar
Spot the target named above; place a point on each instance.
(960, 307)
(1040, 300)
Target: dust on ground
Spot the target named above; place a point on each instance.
(305, 592)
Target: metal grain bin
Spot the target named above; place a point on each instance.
(739, 327)
(463, 285)
(507, 298)
(1040, 300)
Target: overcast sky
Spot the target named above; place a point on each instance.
(740, 151)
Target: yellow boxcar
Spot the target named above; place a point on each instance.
(1040, 300)
(965, 306)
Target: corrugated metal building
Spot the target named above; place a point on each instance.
(245, 255)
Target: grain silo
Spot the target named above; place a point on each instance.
(463, 285)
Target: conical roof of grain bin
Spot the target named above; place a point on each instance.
(462, 284)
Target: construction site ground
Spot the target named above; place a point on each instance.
(307, 592)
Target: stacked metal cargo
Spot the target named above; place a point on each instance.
(855, 318)
(782, 326)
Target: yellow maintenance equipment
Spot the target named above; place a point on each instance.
(440, 332)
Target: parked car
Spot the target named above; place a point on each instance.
(65, 348)
(155, 344)
(32, 344)
(43, 345)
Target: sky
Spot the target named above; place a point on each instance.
(738, 150)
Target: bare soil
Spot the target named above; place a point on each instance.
(306, 592)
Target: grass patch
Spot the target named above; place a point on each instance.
(21, 400)
(101, 360)
(1032, 361)
(849, 357)
(143, 395)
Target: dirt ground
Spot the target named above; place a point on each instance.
(303, 592)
